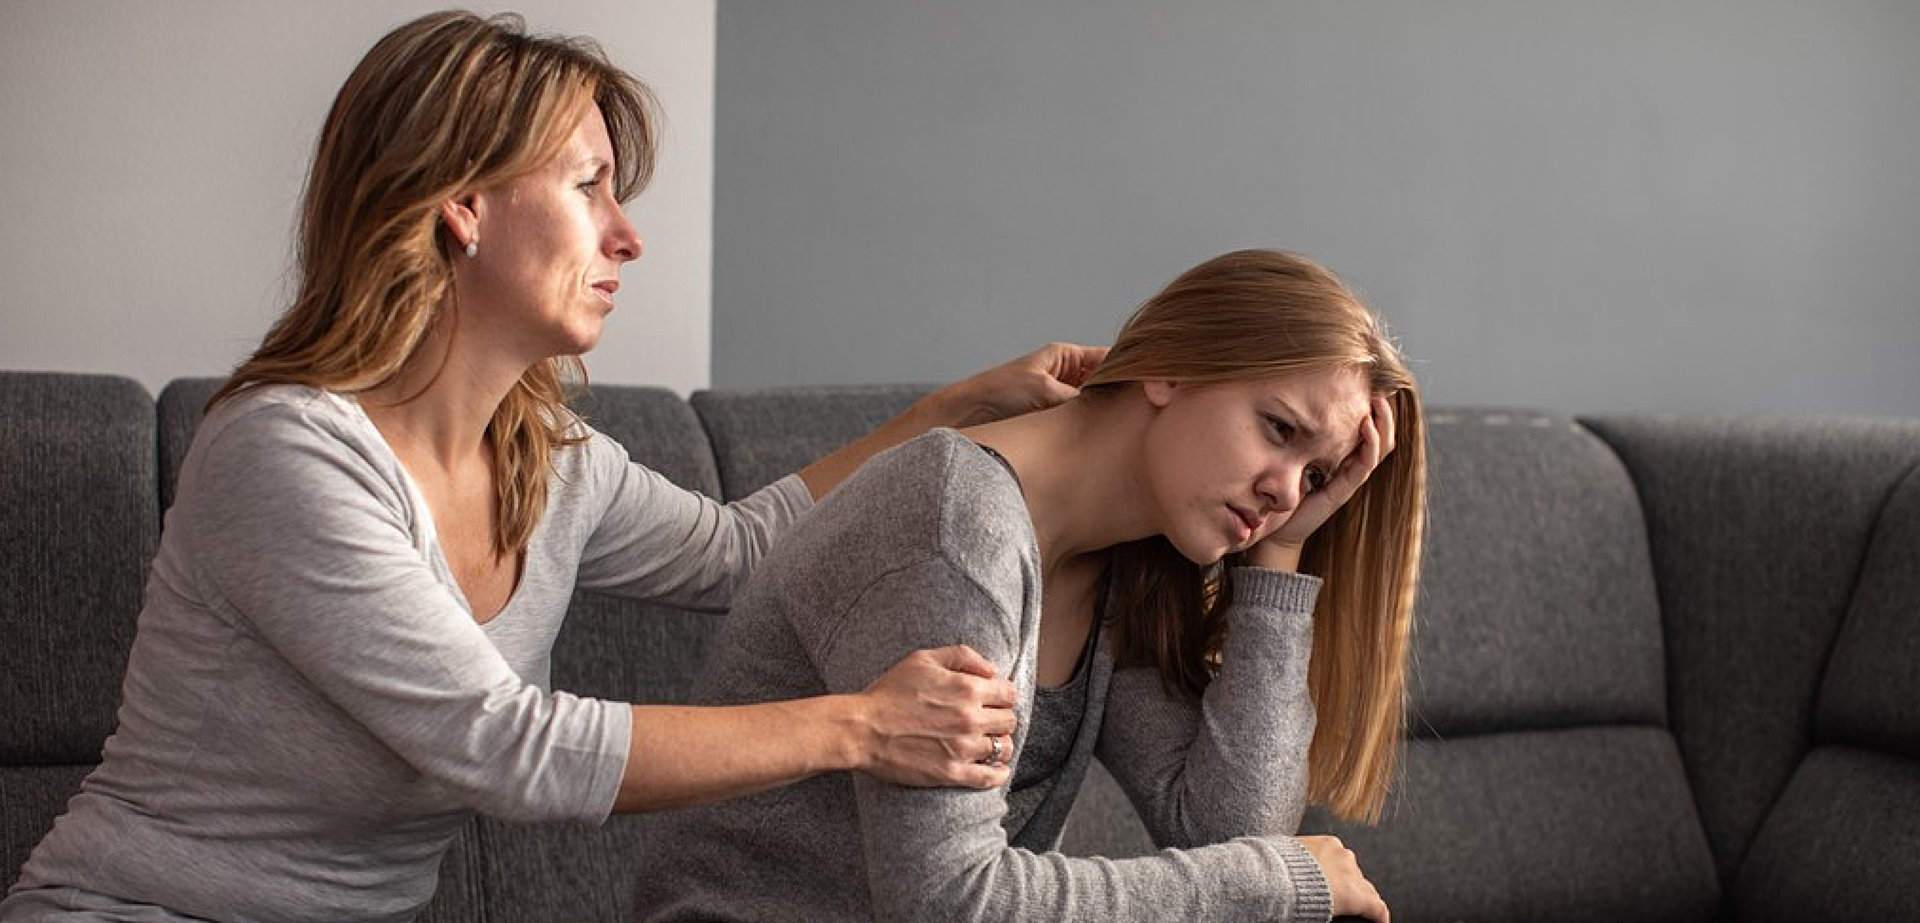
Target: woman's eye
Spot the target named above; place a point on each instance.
(1281, 428)
(1316, 480)
(588, 186)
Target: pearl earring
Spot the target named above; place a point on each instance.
(473, 248)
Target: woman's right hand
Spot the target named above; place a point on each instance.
(1353, 895)
(933, 718)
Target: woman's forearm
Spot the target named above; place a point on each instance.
(1035, 381)
(682, 755)
(933, 410)
(928, 721)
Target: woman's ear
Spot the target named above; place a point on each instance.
(461, 215)
(1159, 393)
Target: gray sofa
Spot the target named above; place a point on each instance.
(1665, 667)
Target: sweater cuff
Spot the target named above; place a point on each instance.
(1272, 589)
(1312, 901)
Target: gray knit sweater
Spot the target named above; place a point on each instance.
(931, 544)
(310, 712)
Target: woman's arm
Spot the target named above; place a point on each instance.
(1035, 381)
(941, 854)
(924, 722)
(1234, 763)
(657, 541)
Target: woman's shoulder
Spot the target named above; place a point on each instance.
(283, 426)
(282, 411)
(941, 489)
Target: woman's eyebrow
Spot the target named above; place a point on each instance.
(1311, 430)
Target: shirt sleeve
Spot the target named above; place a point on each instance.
(662, 543)
(941, 854)
(1234, 763)
(300, 540)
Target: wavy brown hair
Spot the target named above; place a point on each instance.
(446, 103)
(1257, 314)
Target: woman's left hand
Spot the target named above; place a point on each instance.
(1035, 381)
(1281, 550)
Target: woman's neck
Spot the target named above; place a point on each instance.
(1080, 469)
(437, 407)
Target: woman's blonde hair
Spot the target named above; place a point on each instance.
(1258, 314)
(446, 103)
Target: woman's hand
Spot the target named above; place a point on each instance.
(1281, 550)
(1035, 381)
(1353, 895)
(939, 717)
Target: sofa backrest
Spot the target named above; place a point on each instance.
(1786, 557)
(1611, 609)
(77, 529)
(1541, 781)
(1758, 530)
(1851, 810)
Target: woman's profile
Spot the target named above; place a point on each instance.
(1216, 541)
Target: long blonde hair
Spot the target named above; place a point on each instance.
(445, 103)
(1259, 314)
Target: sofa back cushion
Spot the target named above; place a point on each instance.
(1758, 530)
(761, 436)
(77, 530)
(1842, 841)
(1541, 781)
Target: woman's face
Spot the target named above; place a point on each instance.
(1227, 463)
(551, 244)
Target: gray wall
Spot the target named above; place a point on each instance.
(1590, 207)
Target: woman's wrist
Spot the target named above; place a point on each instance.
(847, 738)
(1275, 556)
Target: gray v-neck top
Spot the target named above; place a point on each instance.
(930, 544)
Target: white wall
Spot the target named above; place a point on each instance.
(151, 156)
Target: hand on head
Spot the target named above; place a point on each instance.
(1281, 550)
(941, 717)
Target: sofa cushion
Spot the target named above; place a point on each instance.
(1840, 845)
(77, 486)
(30, 798)
(1537, 606)
(1542, 782)
(1758, 529)
(1591, 823)
(181, 405)
(1871, 697)
(761, 436)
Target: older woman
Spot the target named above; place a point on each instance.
(387, 508)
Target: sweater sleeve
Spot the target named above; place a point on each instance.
(1235, 763)
(299, 540)
(941, 854)
(660, 542)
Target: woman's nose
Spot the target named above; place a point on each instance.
(623, 241)
(1281, 489)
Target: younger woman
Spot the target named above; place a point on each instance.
(1238, 486)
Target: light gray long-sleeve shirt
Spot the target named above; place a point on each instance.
(931, 544)
(310, 711)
